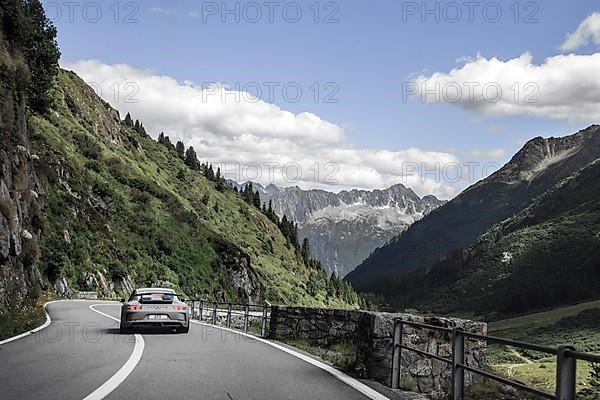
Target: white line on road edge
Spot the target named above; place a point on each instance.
(353, 383)
(39, 328)
(126, 369)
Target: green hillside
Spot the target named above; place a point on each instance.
(577, 325)
(126, 209)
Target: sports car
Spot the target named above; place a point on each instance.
(154, 308)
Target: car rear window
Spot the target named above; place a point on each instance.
(155, 297)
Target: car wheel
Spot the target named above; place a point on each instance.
(124, 330)
(185, 329)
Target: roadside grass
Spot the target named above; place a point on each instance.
(21, 315)
(343, 355)
(540, 319)
(577, 325)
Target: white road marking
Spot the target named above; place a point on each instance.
(39, 328)
(127, 368)
(353, 383)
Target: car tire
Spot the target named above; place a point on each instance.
(124, 330)
(185, 329)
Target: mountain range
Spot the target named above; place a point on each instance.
(524, 238)
(345, 227)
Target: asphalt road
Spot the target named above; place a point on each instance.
(82, 351)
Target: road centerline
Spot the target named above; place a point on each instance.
(119, 377)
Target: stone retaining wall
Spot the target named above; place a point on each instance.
(372, 334)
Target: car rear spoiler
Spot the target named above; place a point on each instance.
(165, 298)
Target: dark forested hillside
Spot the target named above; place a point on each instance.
(545, 256)
(536, 168)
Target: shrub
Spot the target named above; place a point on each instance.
(8, 211)
(408, 384)
(592, 391)
(21, 314)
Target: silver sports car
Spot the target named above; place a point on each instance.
(154, 308)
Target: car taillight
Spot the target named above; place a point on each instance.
(134, 308)
(179, 308)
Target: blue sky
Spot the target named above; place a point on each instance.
(367, 52)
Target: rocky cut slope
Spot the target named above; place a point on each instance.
(21, 195)
(536, 168)
(344, 228)
(28, 56)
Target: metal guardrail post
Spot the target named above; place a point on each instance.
(458, 359)
(229, 315)
(214, 314)
(566, 370)
(246, 317)
(263, 332)
(397, 354)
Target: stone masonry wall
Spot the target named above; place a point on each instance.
(372, 333)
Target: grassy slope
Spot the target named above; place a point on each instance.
(578, 325)
(155, 224)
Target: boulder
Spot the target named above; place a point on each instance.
(61, 286)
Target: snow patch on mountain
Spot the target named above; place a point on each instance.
(345, 227)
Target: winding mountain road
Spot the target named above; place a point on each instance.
(81, 355)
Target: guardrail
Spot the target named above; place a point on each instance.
(566, 361)
(212, 310)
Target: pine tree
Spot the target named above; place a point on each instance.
(191, 160)
(256, 199)
(180, 148)
(129, 121)
(249, 194)
(220, 181)
(136, 126)
(164, 140)
(306, 252)
(210, 173)
(271, 213)
(284, 228)
(36, 36)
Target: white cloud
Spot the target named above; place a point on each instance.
(164, 11)
(588, 30)
(240, 132)
(563, 87)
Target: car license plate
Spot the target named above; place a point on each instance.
(158, 316)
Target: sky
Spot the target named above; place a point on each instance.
(343, 94)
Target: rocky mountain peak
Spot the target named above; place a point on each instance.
(539, 153)
(345, 227)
